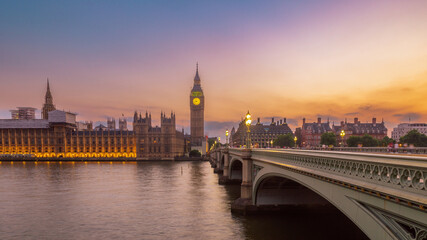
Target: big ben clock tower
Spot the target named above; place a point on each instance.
(197, 119)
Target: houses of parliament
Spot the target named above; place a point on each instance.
(58, 135)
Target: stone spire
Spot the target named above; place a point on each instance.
(197, 78)
(48, 103)
(48, 97)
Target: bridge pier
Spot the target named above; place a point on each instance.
(225, 178)
(212, 159)
(244, 205)
(218, 167)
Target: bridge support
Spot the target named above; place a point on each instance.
(244, 205)
(225, 178)
(212, 159)
(218, 167)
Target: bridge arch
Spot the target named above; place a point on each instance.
(364, 210)
(236, 168)
(222, 161)
(280, 189)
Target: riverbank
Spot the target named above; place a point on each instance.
(60, 159)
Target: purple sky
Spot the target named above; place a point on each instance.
(336, 59)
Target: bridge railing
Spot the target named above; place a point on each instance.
(410, 150)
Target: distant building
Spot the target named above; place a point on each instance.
(261, 135)
(230, 140)
(57, 136)
(23, 113)
(102, 127)
(163, 142)
(111, 124)
(374, 129)
(48, 103)
(311, 132)
(123, 125)
(84, 126)
(403, 128)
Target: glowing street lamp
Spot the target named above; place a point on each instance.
(342, 134)
(271, 143)
(295, 140)
(226, 138)
(248, 124)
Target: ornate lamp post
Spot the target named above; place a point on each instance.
(295, 140)
(342, 134)
(226, 138)
(248, 124)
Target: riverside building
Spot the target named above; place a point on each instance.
(375, 129)
(403, 128)
(311, 133)
(59, 135)
(262, 135)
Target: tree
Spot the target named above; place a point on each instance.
(414, 137)
(353, 141)
(195, 153)
(386, 141)
(366, 141)
(328, 138)
(369, 141)
(284, 140)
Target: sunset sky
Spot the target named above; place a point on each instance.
(293, 59)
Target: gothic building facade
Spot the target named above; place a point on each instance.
(163, 142)
(58, 134)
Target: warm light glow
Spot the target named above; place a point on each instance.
(248, 115)
(226, 133)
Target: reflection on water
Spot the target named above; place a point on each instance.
(149, 200)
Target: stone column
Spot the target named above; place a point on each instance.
(218, 168)
(246, 189)
(226, 163)
(243, 205)
(225, 178)
(213, 159)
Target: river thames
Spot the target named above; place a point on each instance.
(148, 200)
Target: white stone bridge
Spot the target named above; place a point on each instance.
(385, 195)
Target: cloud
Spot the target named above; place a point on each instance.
(365, 107)
(351, 113)
(216, 125)
(405, 117)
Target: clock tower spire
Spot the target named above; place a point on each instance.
(197, 120)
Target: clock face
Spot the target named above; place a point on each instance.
(196, 101)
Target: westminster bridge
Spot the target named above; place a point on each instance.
(385, 195)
